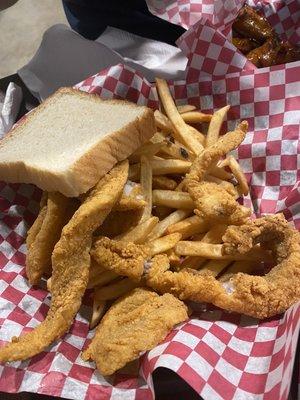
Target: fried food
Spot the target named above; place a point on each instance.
(245, 45)
(260, 43)
(70, 262)
(212, 201)
(135, 323)
(214, 204)
(132, 198)
(211, 155)
(287, 53)
(266, 54)
(274, 52)
(120, 257)
(45, 233)
(250, 23)
(257, 296)
(36, 226)
(264, 296)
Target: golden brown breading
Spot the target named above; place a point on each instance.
(122, 258)
(36, 226)
(132, 198)
(212, 154)
(70, 261)
(257, 296)
(45, 233)
(135, 323)
(187, 284)
(214, 204)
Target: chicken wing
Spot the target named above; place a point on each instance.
(252, 24)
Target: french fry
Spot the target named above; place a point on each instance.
(115, 290)
(195, 117)
(149, 150)
(185, 108)
(198, 136)
(163, 167)
(130, 202)
(163, 244)
(103, 278)
(146, 183)
(176, 151)
(172, 148)
(170, 198)
(164, 183)
(162, 122)
(220, 173)
(214, 128)
(192, 262)
(236, 267)
(214, 252)
(181, 130)
(188, 227)
(99, 307)
(214, 267)
(162, 212)
(231, 162)
(214, 235)
(162, 226)
(225, 184)
(140, 232)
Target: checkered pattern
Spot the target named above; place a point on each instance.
(187, 13)
(222, 356)
(207, 43)
(284, 16)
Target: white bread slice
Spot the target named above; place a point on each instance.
(71, 140)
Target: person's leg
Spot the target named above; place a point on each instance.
(90, 18)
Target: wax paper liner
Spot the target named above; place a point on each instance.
(221, 355)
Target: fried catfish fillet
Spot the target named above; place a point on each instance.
(212, 201)
(257, 296)
(212, 154)
(135, 323)
(70, 262)
(264, 296)
(216, 205)
(121, 257)
(36, 226)
(45, 233)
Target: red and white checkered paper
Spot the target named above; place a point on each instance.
(221, 355)
(207, 43)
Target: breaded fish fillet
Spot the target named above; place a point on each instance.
(45, 233)
(70, 262)
(135, 323)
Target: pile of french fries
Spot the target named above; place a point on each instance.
(156, 210)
